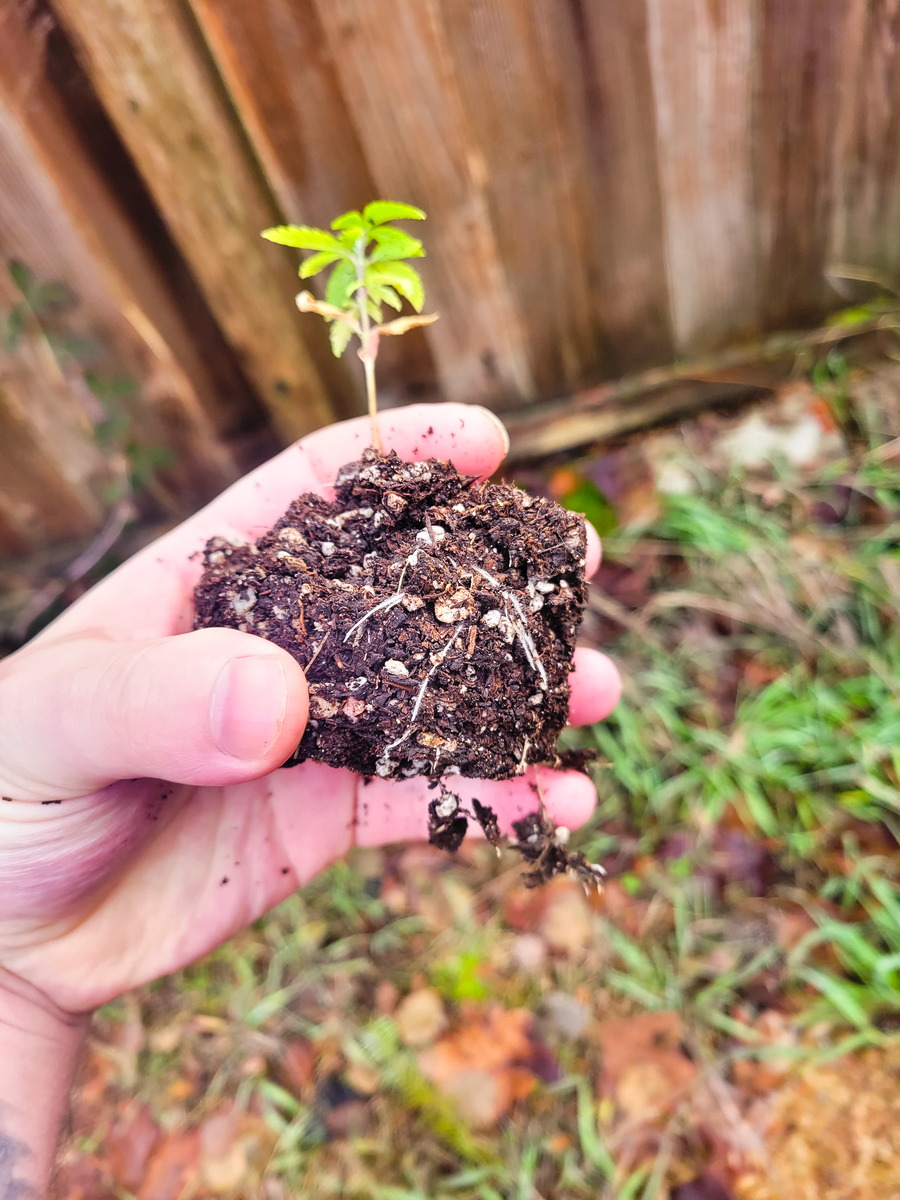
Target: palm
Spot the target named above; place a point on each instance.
(104, 891)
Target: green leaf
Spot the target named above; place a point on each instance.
(381, 293)
(380, 211)
(20, 275)
(339, 335)
(304, 237)
(339, 284)
(404, 278)
(352, 220)
(317, 262)
(394, 243)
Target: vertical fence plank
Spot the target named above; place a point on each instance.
(401, 87)
(58, 217)
(150, 69)
(800, 104)
(519, 78)
(274, 60)
(49, 464)
(703, 55)
(865, 228)
(625, 205)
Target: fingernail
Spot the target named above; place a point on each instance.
(248, 704)
(501, 427)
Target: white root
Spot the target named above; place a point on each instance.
(382, 606)
(420, 695)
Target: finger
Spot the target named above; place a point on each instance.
(390, 811)
(153, 587)
(596, 687)
(212, 707)
(593, 555)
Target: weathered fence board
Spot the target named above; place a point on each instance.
(402, 88)
(278, 70)
(149, 68)
(704, 116)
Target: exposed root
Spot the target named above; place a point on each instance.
(543, 845)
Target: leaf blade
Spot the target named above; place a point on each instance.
(303, 237)
(379, 211)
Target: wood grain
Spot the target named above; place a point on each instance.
(702, 55)
(274, 60)
(149, 67)
(800, 102)
(517, 67)
(865, 227)
(59, 217)
(400, 81)
(625, 243)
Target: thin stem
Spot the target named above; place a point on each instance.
(368, 358)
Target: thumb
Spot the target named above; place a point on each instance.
(211, 707)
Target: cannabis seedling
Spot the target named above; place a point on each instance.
(365, 253)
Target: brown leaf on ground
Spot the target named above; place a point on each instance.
(173, 1167)
(420, 1017)
(567, 925)
(235, 1147)
(485, 1065)
(645, 1072)
(130, 1144)
(297, 1064)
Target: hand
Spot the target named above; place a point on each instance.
(109, 877)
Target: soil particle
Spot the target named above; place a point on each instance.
(435, 617)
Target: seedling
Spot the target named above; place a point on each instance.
(434, 614)
(365, 254)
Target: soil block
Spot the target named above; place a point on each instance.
(434, 615)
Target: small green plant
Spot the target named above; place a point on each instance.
(365, 254)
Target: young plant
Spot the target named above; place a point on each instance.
(365, 254)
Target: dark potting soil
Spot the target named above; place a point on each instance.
(435, 617)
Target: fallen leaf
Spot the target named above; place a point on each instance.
(567, 925)
(173, 1167)
(484, 1065)
(297, 1064)
(130, 1144)
(644, 1069)
(420, 1017)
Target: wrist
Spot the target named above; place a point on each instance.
(39, 1049)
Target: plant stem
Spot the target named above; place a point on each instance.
(368, 358)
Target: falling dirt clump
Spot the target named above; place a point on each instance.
(434, 615)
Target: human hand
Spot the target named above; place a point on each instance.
(109, 877)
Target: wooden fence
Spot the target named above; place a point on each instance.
(611, 184)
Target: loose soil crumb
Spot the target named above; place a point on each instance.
(435, 618)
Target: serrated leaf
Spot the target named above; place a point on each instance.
(317, 262)
(381, 293)
(404, 278)
(393, 244)
(380, 211)
(340, 282)
(339, 335)
(304, 237)
(352, 220)
(20, 275)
